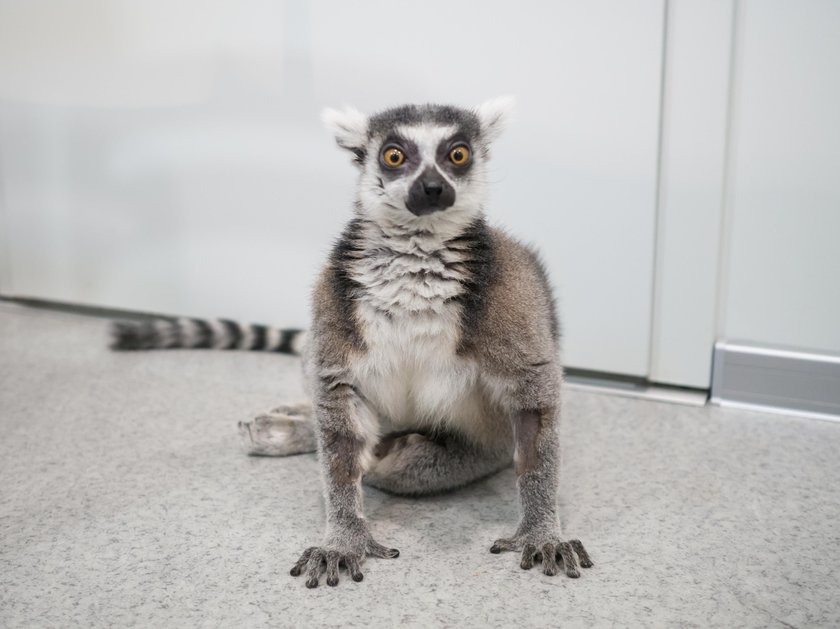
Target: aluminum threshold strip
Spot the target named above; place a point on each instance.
(639, 389)
(769, 379)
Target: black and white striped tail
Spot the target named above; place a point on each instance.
(204, 334)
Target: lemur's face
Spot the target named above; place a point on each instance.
(424, 168)
(426, 162)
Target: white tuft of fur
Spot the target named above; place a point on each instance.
(348, 125)
(274, 338)
(247, 339)
(366, 425)
(221, 338)
(494, 116)
(285, 430)
(299, 342)
(187, 327)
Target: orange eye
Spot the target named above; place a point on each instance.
(393, 157)
(460, 155)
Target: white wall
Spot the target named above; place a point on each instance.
(168, 156)
(781, 251)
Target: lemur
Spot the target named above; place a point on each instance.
(432, 358)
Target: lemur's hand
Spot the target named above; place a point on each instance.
(346, 547)
(543, 543)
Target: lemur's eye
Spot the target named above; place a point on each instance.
(459, 155)
(393, 157)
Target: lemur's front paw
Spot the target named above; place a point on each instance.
(339, 553)
(548, 548)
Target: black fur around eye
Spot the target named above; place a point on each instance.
(392, 156)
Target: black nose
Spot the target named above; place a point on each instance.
(433, 190)
(429, 193)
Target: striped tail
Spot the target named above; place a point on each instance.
(165, 333)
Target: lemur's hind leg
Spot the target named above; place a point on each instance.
(414, 464)
(285, 430)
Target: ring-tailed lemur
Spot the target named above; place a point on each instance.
(432, 359)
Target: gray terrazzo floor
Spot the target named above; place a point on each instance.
(125, 501)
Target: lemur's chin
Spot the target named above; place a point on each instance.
(425, 210)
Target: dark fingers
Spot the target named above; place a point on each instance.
(375, 549)
(583, 556)
(564, 551)
(332, 568)
(304, 558)
(549, 560)
(528, 557)
(314, 568)
(502, 544)
(353, 568)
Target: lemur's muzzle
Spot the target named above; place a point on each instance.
(429, 193)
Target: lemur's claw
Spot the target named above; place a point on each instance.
(316, 560)
(553, 556)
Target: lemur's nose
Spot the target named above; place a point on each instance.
(433, 190)
(429, 193)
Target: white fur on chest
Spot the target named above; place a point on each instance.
(410, 321)
(412, 373)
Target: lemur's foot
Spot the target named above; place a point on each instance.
(346, 550)
(550, 551)
(280, 432)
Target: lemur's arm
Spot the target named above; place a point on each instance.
(346, 430)
(343, 424)
(537, 470)
(536, 460)
(521, 342)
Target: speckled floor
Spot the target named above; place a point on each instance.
(125, 501)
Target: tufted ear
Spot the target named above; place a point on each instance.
(494, 115)
(349, 126)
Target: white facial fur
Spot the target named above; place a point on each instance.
(383, 199)
(386, 204)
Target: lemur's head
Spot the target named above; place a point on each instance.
(422, 163)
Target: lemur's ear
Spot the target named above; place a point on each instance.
(494, 115)
(349, 126)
